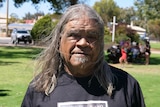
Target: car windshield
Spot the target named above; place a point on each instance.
(22, 32)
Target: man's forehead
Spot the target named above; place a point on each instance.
(83, 21)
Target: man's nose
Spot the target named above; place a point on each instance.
(82, 42)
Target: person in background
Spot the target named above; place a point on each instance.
(123, 58)
(135, 51)
(142, 48)
(73, 71)
(147, 52)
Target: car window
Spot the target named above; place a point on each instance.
(22, 32)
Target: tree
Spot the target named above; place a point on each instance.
(123, 33)
(148, 9)
(107, 9)
(56, 5)
(126, 15)
(42, 28)
(1, 2)
(154, 26)
(29, 16)
(13, 18)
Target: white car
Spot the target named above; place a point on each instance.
(18, 35)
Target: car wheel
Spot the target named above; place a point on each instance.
(17, 41)
(13, 42)
(30, 41)
(25, 42)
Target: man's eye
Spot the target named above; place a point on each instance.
(93, 35)
(73, 36)
(92, 38)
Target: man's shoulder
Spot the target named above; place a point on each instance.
(121, 75)
(118, 72)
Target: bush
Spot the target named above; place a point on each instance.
(107, 36)
(42, 28)
(119, 36)
(124, 33)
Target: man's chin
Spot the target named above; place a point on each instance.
(79, 65)
(81, 60)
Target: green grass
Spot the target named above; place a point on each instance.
(155, 45)
(149, 79)
(16, 71)
(150, 86)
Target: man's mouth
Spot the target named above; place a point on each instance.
(79, 53)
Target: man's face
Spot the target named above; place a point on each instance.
(80, 46)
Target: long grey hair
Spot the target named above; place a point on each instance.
(50, 62)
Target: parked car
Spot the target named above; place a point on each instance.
(18, 35)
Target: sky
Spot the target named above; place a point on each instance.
(44, 7)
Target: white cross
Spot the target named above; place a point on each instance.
(113, 29)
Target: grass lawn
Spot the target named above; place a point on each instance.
(155, 45)
(16, 71)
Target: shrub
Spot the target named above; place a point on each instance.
(107, 36)
(124, 33)
(42, 28)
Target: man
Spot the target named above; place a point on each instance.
(74, 72)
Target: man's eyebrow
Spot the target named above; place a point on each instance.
(93, 32)
(73, 31)
(90, 32)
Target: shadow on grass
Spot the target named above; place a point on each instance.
(18, 52)
(2, 63)
(154, 61)
(4, 92)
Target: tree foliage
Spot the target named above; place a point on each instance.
(123, 33)
(56, 5)
(13, 18)
(154, 28)
(29, 16)
(148, 13)
(107, 35)
(126, 15)
(148, 9)
(42, 28)
(107, 9)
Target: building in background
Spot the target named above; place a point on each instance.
(3, 25)
(140, 31)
